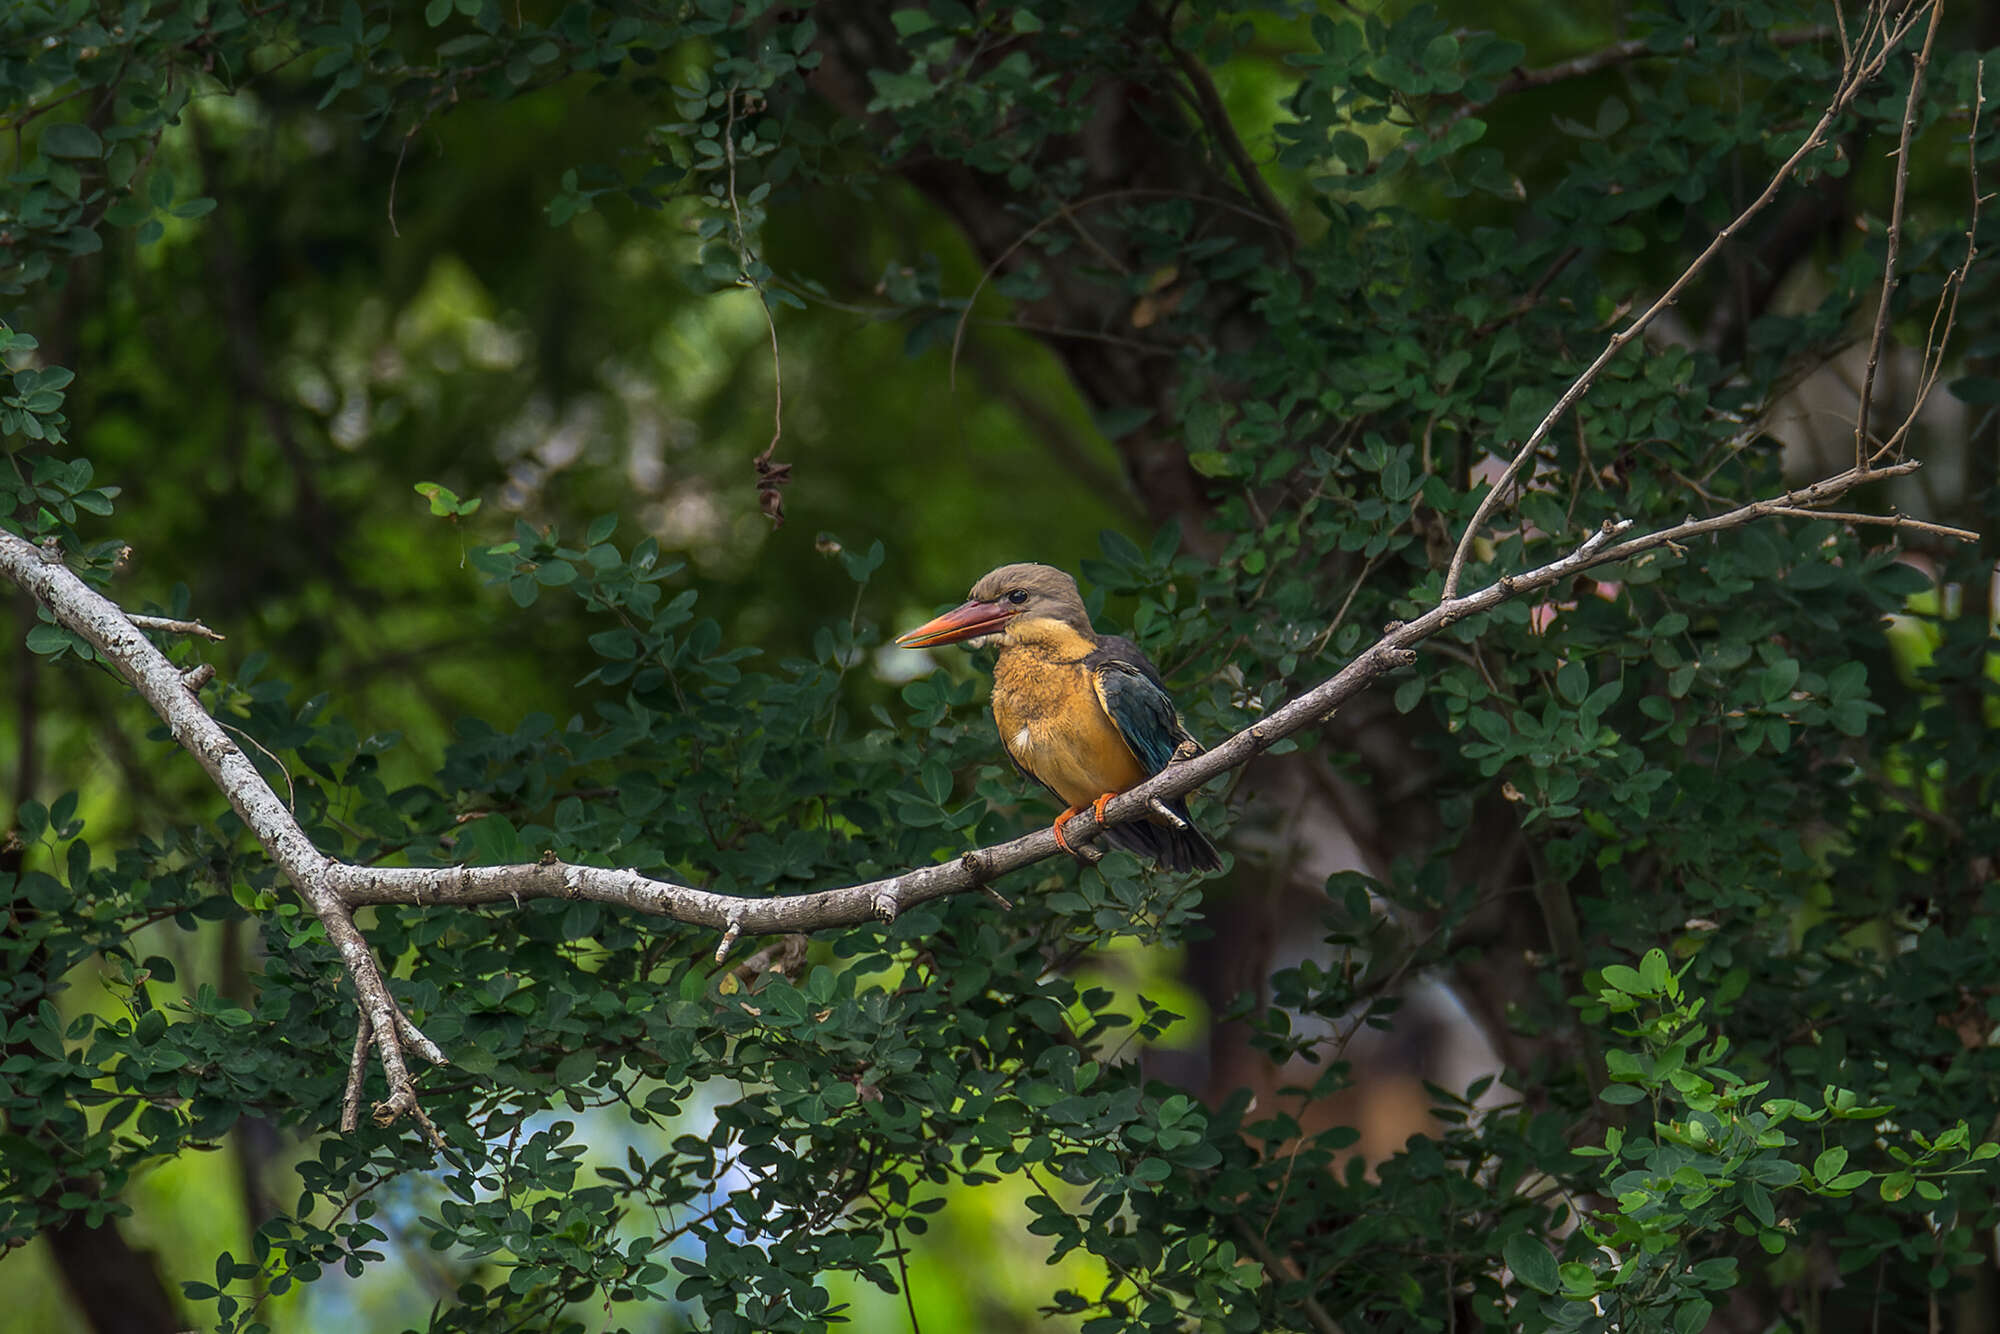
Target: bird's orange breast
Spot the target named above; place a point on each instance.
(1053, 725)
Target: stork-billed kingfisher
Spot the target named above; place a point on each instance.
(1083, 714)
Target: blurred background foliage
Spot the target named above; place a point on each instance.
(1223, 309)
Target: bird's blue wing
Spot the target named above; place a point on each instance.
(1141, 711)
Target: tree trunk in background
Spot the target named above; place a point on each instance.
(116, 1286)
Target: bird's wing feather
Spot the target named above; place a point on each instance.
(1117, 648)
(1140, 710)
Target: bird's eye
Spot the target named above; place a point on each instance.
(1017, 597)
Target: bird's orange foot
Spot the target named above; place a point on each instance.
(1057, 827)
(1096, 809)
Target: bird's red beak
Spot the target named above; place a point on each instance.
(968, 621)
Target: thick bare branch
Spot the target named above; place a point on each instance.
(108, 630)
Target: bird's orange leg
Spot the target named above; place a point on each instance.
(1056, 829)
(1096, 809)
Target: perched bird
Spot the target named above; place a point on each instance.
(1083, 714)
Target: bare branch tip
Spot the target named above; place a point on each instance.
(413, 1035)
(170, 625)
(729, 936)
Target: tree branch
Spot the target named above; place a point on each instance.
(1875, 340)
(1878, 41)
(335, 889)
(108, 630)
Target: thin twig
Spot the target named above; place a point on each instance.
(1910, 105)
(1936, 339)
(1320, 640)
(770, 474)
(903, 1269)
(1891, 520)
(291, 792)
(395, 176)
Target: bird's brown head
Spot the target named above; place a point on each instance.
(1009, 596)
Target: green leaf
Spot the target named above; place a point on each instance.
(555, 574)
(1655, 973)
(1531, 1262)
(1623, 977)
(1573, 682)
(1691, 1316)
(68, 139)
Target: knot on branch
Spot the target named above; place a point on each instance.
(772, 477)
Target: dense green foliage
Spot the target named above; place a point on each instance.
(1703, 848)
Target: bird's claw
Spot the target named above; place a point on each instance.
(1057, 830)
(1087, 855)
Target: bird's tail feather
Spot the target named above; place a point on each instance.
(1183, 849)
